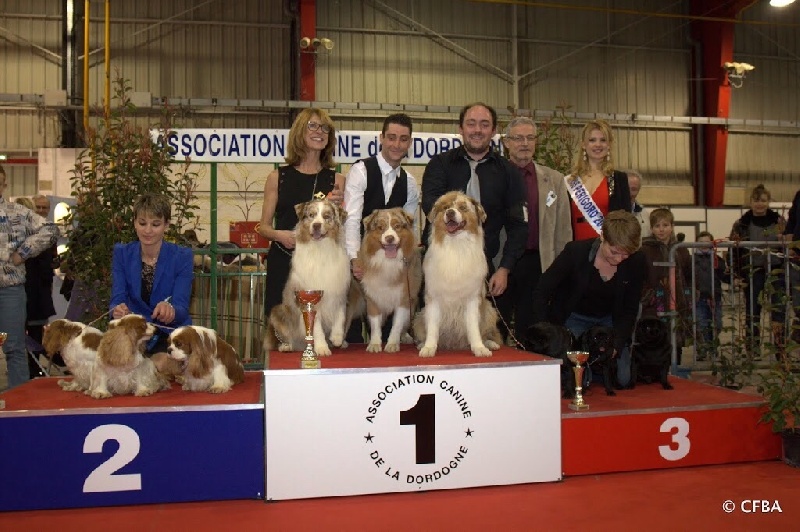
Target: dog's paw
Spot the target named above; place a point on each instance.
(667, 386)
(481, 351)
(322, 350)
(337, 340)
(344, 345)
(70, 386)
(285, 348)
(406, 338)
(373, 348)
(391, 348)
(491, 344)
(427, 351)
(144, 391)
(98, 394)
(219, 389)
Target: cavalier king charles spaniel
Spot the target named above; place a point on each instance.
(210, 363)
(77, 344)
(121, 367)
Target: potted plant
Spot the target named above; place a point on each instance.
(780, 387)
(120, 162)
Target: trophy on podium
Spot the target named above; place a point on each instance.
(578, 358)
(307, 299)
(3, 337)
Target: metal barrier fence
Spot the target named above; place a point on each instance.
(759, 282)
(228, 296)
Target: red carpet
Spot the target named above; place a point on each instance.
(45, 394)
(677, 499)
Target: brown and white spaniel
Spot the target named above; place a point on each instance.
(121, 367)
(210, 363)
(78, 345)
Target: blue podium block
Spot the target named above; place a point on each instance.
(183, 447)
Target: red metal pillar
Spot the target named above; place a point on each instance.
(716, 39)
(308, 28)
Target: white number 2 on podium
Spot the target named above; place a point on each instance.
(680, 438)
(103, 479)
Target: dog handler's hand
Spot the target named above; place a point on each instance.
(286, 239)
(498, 282)
(336, 195)
(120, 311)
(357, 268)
(164, 312)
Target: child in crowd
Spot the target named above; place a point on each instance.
(656, 293)
(710, 272)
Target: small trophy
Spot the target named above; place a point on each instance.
(307, 299)
(3, 337)
(578, 358)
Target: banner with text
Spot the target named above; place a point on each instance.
(269, 145)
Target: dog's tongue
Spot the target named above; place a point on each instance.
(452, 227)
(390, 250)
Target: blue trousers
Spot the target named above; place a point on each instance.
(12, 321)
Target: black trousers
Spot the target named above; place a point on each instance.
(516, 303)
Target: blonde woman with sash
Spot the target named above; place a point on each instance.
(595, 188)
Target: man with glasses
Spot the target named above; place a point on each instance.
(549, 225)
(23, 234)
(486, 176)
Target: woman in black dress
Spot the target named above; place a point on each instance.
(308, 173)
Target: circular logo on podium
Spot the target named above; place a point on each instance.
(418, 430)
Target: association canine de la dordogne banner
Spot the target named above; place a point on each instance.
(269, 145)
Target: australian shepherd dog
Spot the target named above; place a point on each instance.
(457, 314)
(392, 274)
(319, 262)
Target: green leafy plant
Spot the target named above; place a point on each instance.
(120, 163)
(555, 144)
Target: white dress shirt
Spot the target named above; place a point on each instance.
(354, 188)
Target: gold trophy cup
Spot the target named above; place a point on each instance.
(307, 299)
(578, 358)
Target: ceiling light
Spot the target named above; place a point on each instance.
(780, 3)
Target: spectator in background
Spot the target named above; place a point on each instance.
(657, 294)
(709, 273)
(549, 227)
(792, 234)
(489, 178)
(308, 173)
(23, 234)
(39, 287)
(754, 266)
(640, 211)
(594, 186)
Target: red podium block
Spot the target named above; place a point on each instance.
(651, 428)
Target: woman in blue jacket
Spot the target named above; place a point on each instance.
(152, 277)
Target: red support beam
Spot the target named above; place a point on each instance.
(716, 45)
(308, 28)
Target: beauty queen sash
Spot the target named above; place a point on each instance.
(585, 203)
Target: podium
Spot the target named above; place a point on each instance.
(455, 422)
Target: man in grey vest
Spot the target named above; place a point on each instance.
(378, 182)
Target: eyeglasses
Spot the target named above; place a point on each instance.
(314, 126)
(520, 138)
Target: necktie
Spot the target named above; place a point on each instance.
(473, 185)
